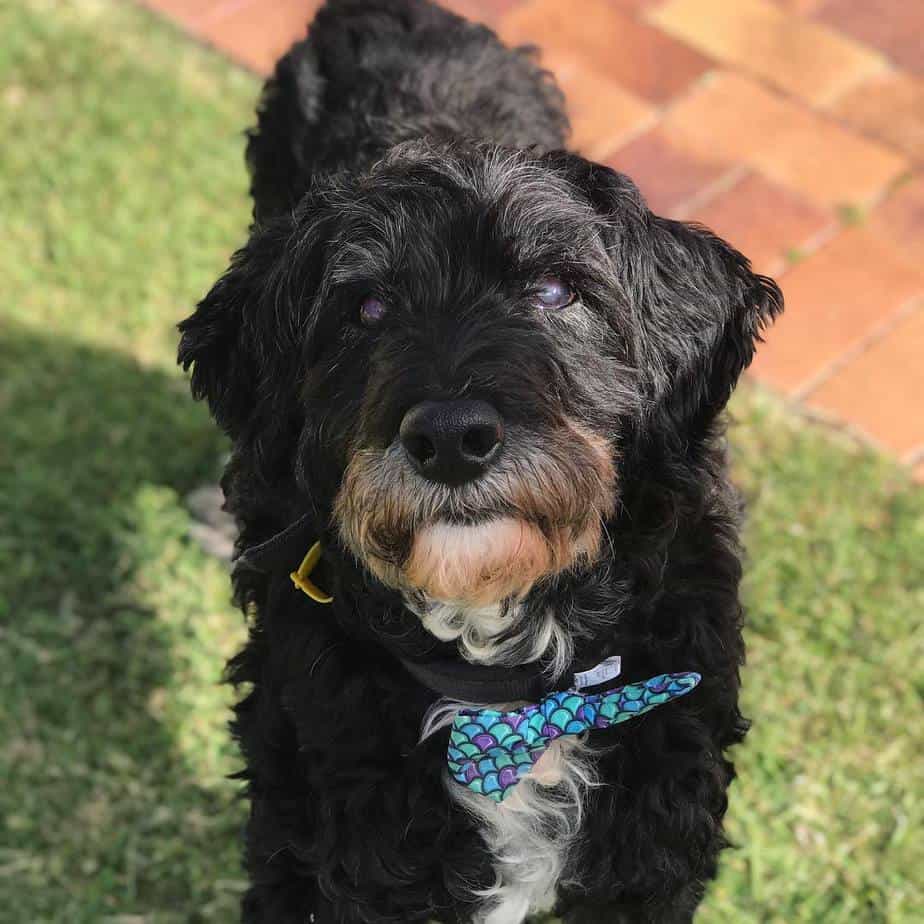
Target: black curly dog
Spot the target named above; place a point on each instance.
(490, 381)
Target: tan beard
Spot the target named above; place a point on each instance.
(557, 502)
(484, 563)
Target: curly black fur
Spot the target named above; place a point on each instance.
(402, 151)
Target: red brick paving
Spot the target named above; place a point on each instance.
(837, 301)
(256, 34)
(795, 55)
(890, 108)
(900, 219)
(487, 11)
(647, 60)
(787, 224)
(799, 6)
(882, 387)
(794, 127)
(635, 6)
(603, 112)
(669, 176)
(734, 117)
(895, 27)
(185, 11)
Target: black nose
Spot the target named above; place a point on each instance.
(452, 441)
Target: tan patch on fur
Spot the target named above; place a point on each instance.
(478, 564)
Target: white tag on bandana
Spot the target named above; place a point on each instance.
(605, 670)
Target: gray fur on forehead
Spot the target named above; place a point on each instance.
(521, 201)
(488, 173)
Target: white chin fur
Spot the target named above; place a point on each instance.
(500, 634)
(478, 564)
(467, 581)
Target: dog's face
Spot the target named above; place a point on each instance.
(488, 380)
(451, 354)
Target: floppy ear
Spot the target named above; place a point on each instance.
(696, 307)
(245, 335)
(700, 312)
(212, 342)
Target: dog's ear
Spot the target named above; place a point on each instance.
(246, 334)
(213, 341)
(700, 310)
(696, 308)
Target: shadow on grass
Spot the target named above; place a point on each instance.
(114, 630)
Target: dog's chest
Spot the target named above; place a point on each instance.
(531, 833)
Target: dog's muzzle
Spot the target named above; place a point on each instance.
(466, 508)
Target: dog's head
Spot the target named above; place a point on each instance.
(451, 353)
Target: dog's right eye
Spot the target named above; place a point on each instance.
(372, 311)
(553, 293)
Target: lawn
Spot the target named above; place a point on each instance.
(123, 193)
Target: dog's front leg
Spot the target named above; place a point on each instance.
(394, 849)
(350, 821)
(679, 909)
(284, 885)
(652, 838)
(286, 897)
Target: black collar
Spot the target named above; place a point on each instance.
(478, 683)
(450, 677)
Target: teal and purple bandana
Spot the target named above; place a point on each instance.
(491, 751)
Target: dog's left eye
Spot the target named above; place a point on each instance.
(551, 293)
(372, 311)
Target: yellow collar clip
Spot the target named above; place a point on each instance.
(301, 578)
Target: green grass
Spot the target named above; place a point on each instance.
(123, 191)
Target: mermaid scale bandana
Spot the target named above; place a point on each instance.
(491, 751)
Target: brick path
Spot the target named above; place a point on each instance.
(794, 128)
